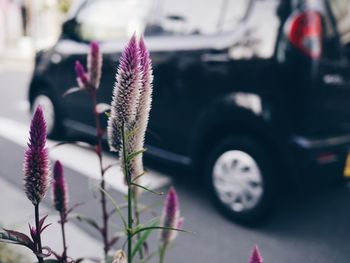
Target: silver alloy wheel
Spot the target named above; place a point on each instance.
(48, 110)
(237, 180)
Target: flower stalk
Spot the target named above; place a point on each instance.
(36, 170)
(60, 200)
(90, 81)
(38, 234)
(170, 220)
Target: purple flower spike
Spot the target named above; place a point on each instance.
(255, 256)
(144, 107)
(94, 64)
(36, 160)
(59, 189)
(82, 76)
(170, 217)
(125, 94)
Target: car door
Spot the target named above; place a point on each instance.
(189, 44)
(331, 94)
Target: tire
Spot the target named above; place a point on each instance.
(52, 114)
(240, 176)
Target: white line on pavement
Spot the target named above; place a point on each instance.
(80, 159)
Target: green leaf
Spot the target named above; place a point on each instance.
(159, 227)
(117, 208)
(147, 189)
(130, 133)
(134, 179)
(134, 154)
(142, 239)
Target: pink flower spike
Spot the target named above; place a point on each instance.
(82, 76)
(143, 109)
(255, 256)
(125, 94)
(94, 64)
(59, 189)
(170, 217)
(36, 160)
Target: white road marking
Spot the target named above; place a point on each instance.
(80, 159)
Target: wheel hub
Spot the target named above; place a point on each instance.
(237, 180)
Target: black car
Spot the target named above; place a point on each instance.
(248, 92)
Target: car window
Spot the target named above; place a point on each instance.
(112, 19)
(193, 17)
(341, 14)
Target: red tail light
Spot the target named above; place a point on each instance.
(305, 33)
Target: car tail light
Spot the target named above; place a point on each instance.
(305, 33)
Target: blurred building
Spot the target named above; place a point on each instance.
(28, 25)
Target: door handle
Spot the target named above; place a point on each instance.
(333, 79)
(211, 57)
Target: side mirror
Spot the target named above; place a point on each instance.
(70, 29)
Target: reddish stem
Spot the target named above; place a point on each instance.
(98, 150)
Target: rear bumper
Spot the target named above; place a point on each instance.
(324, 157)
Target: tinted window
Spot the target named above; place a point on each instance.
(341, 13)
(205, 17)
(112, 19)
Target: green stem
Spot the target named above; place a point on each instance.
(104, 229)
(162, 250)
(137, 217)
(130, 195)
(37, 226)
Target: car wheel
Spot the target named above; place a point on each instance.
(240, 177)
(52, 116)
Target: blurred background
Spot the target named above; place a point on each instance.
(256, 89)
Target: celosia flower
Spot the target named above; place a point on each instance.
(59, 189)
(143, 109)
(170, 217)
(94, 65)
(36, 160)
(125, 94)
(82, 76)
(120, 257)
(255, 256)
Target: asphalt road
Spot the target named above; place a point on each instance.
(310, 224)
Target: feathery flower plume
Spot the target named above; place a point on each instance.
(143, 109)
(170, 217)
(125, 94)
(82, 76)
(120, 257)
(36, 160)
(59, 189)
(94, 65)
(255, 256)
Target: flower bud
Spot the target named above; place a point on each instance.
(170, 217)
(120, 257)
(59, 189)
(255, 256)
(82, 76)
(94, 64)
(36, 160)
